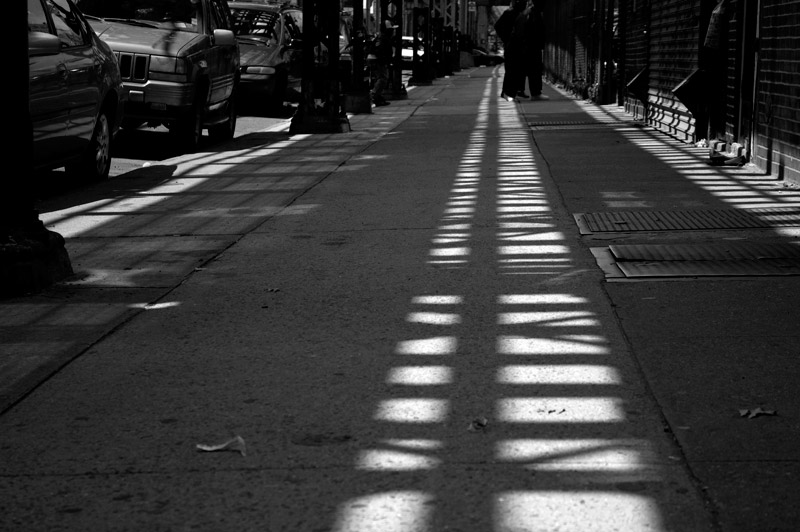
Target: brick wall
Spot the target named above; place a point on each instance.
(777, 146)
(567, 60)
(674, 45)
(760, 92)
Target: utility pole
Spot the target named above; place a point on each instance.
(31, 257)
(321, 108)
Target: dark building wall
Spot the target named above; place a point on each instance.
(673, 56)
(777, 123)
(749, 103)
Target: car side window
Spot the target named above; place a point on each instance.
(293, 24)
(37, 18)
(219, 16)
(71, 32)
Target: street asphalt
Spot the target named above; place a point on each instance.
(414, 326)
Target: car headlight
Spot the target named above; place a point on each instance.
(168, 68)
(262, 70)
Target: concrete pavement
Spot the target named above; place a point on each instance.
(410, 327)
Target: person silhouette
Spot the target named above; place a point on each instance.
(528, 35)
(513, 53)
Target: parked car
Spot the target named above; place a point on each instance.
(483, 57)
(407, 52)
(271, 48)
(75, 93)
(179, 61)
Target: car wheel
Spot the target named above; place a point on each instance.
(96, 163)
(188, 129)
(226, 130)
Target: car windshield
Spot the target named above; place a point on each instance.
(255, 23)
(178, 14)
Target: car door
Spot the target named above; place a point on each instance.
(82, 67)
(47, 88)
(223, 61)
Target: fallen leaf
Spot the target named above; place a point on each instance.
(478, 424)
(234, 444)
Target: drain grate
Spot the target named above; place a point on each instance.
(698, 260)
(624, 221)
(705, 252)
(540, 126)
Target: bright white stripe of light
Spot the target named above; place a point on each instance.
(434, 318)
(576, 511)
(533, 250)
(412, 410)
(541, 299)
(392, 511)
(437, 300)
(394, 460)
(440, 345)
(420, 375)
(449, 252)
(535, 237)
(563, 318)
(560, 410)
(565, 345)
(558, 374)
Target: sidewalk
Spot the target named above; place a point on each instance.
(415, 326)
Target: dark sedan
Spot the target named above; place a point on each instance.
(75, 93)
(270, 46)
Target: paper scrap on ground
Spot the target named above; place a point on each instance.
(755, 412)
(235, 444)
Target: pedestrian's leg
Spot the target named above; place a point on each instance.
(535, 78)
(511, 78)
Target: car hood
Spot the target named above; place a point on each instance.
(127, 38)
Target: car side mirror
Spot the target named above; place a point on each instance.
(224, 38)
(41, 43)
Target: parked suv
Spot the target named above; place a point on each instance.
(179, 61)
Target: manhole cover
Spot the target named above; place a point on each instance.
(625, 221)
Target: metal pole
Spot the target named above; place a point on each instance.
(320, 109)
(31, 257)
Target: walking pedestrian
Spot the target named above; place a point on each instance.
(379, 59)
(513, 54)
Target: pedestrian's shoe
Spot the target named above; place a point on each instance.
(522, 95)
(507, 98)
(379, 101)
(540, 97)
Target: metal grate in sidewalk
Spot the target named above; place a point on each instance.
(643, 261)
(624, 221)
(552, 125)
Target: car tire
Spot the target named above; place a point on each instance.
(188, 129)
(95, 165)
(226, 130)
